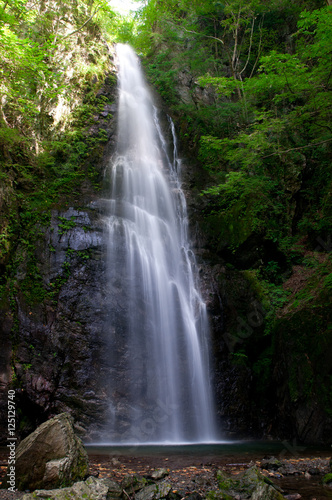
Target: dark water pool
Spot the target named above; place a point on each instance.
(252, 449)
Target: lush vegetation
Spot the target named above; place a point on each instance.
(257, 111)
(250, 86)
(264, 128)
(53, 59)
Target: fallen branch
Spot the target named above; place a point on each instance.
(124, 491)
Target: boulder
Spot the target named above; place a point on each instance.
(133, 483)
(251, 483)
(262, 488)
(263, 491)
(157, 474)
(271, 463)
(92, 488)
(154, 491)
(51, 456)
(139, 487)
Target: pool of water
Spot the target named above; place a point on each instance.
(283, 449)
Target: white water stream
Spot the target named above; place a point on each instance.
(160, 389)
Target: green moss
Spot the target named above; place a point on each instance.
(32, 285)
(244, 483)
(65, 225)
(224, 481)
(327, 479)
(233, 227)
(259, 286)
(218, 495)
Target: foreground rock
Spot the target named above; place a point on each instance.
(141, 489)
(105, 489)
(51, 456)
(92, 488)
(307, 467)
(249, 485)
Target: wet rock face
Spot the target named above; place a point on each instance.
(59, 354)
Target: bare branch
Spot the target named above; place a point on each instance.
(259, 46)
(287, 82)
(84, 24)
(250, 45)
(202, 34)
(124, 491)
(295, 149)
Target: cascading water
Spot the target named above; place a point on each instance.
(160, 390)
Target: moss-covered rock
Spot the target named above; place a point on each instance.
(249, 484)
(327, 479)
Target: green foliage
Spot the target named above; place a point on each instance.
(65, 225)
(162, 75)
(53, 60)
(247, 204)
(287, 112)
(224, 86)
(327, 478)
(328, 282)
(211, 153)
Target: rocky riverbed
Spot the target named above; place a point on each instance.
(192, 477)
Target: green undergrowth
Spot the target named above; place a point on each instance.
(295, 319)
(49, 102)
(54, 175)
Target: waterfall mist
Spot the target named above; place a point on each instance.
(158, 329)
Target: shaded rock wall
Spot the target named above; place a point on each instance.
(302, 370)
(55, 310)
(57, 358)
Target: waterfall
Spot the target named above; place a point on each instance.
(158, 328)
